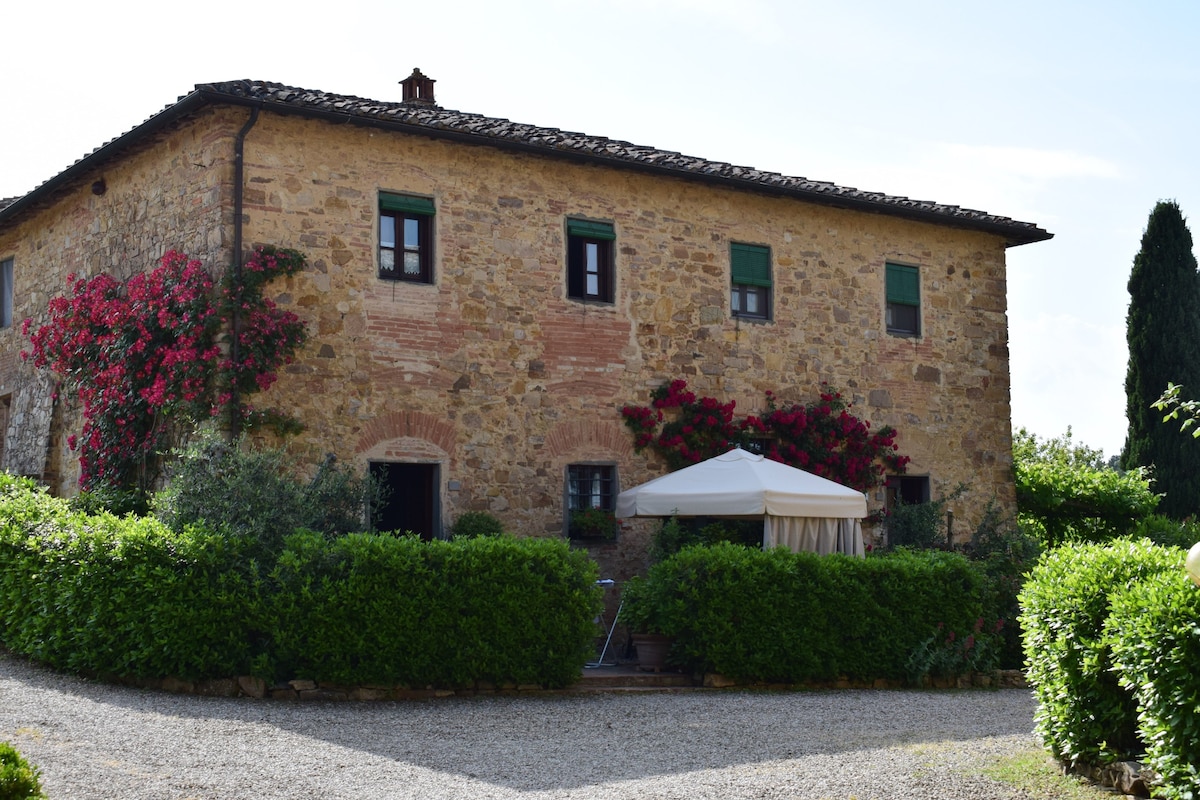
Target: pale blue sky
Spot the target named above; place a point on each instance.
(1077, 116)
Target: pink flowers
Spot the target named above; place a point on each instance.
(822, 437)
(142, 353)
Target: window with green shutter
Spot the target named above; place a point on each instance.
(405, 237)
(750, 265)
(590, 260)
(903, 300)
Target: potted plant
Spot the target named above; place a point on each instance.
(593, 523)
(643, 606)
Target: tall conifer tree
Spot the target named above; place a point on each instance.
(1163, 331)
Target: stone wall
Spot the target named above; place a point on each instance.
(172, 192)
(491, 371)
(524, 381)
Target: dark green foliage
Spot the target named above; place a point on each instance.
(381, 609)
(110, 498)
(476, 523)
(1005, 553)
(1163, 331)
(920, 525)
(1067, 492)
(1168, 532)
(1155, 639)
(130, 597)
(676, 533)
(778, 616)
(250, 493)
(1084, 716)
(18, 780)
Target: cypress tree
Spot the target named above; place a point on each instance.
(1163, 331)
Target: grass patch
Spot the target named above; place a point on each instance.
(1033, 771)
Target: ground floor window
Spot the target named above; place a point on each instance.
(591, 498)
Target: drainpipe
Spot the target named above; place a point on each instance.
(235, 317)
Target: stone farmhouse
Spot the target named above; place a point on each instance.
(483, 296)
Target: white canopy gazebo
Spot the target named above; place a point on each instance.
(800, 510)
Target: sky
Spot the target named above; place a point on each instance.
(1076, 116)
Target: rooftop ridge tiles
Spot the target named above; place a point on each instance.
(501, 131)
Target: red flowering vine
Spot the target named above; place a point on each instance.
(822, 437)
(144, 354)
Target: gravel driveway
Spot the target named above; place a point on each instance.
(99, 741)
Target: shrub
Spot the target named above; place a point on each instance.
(1155, 644)
(18, 780)
(1084, 715)
(1168, 532)
(778, 616)
(1005, 553)
(476, 523)
(381, 609)
(132, 598)
(676, 533)
(1066, 492)
(251, 493)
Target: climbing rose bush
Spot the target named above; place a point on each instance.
(147, 354)
(822, 437)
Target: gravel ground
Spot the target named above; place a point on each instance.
(99, 741)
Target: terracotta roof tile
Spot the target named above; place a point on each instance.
(435, 121)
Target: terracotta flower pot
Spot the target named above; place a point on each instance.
(652, 650)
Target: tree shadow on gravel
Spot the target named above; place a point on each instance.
(531, 742)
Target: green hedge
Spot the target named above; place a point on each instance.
(128, 597)
(777, 616)
(379, 609)
(18, 780)
(1084, 716)
(1154, 630)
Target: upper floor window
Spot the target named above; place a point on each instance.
(751, 291)
(590, 260)
(6, 295)
(903, 300)
(405, 238)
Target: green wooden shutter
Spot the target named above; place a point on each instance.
(591, 230)
(751, 264)
(903, 285)
(406, 204)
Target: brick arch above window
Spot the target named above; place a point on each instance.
(411, 425)
(601, 439)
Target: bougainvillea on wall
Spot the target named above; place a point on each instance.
(821, 437)
(154, 352)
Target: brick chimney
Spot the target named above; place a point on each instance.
(418, 89)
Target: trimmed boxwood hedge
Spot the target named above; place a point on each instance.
(129, 597)
(778, 616)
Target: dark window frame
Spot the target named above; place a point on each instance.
(596, 239)
(405, 214)
(601, 491)
(750, 277)
(902, 314)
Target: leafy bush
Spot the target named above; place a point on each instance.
(676, 533)
(1155, 644)
(131, 597)
(18, 780)
(1066, 491)
(381, 609)
(476, 523)
(778, 616)
(251, 493)
(1005, 553)
(1084, 715)
(1168, 532)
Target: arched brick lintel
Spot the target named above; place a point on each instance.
(407, 425)
(571, 437)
